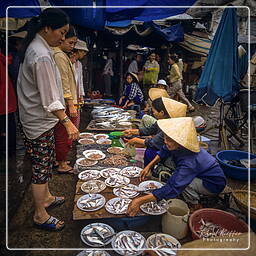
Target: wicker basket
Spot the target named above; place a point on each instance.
(241, 198)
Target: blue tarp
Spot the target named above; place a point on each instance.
(220, 77)
(144, 14)
(19, 12)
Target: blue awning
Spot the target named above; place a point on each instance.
(20, 12)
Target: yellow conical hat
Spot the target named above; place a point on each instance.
(155, 93)
(174, 108)
(182, 130)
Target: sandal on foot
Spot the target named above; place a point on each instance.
(64, 171)
(50, 224)
(57, 201)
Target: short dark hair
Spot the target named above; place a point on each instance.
(159, 106)
(174, 57)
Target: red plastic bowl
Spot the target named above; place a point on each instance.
(224, 219)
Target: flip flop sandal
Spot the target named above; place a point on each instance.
(56, 164)
(50, 224)
(71, 171)
(57, 201)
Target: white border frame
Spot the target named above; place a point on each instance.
(165, 7)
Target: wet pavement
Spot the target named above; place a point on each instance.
(22, 233)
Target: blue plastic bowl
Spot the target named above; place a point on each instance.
(235, 172)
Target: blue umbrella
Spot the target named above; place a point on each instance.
(220, 77)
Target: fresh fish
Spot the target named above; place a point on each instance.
(117, 205)
(117, 181)
(154, 208)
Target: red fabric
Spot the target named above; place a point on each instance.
(12, 102)
(62, 143)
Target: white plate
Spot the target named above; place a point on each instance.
(95, 225)
(100, 136)
(171, 239)
(129, 234)
(109, 150)
(89, 140)
(93, 183)
(93, 253)
(112, 201)
(147, 183)
(118, 191)
(90, 135)
(131, 171)
(102, 142)
(125, 123)
(162, 204)
(87, 196)
(89, 175)
(78, 162)
(92, 151)
(105, 173)
(90, 156)
(122, 181)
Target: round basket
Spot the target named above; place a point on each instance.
(222, 218)
(241, 199)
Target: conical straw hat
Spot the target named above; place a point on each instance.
(182, 130)
(155, 93)
(174, 108)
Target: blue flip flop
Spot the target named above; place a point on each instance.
(57, 201)
(50, 224)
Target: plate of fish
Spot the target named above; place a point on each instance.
(91, 202)
(86, 135)
(86, 141)
(100, 136)
(129, 191)
(117, 205)
(93, 186)
(94, 155)
(93, 253)
(165, 244)
(89, 175)
(105, 173)
(97, 235)
(85, 162)
(117, 180)
(131, 171)
(128, 243)
(150, 185)
(104, 141)
(124, 123)
(154, 208)
(115, 150)
(115, 160)
(91, 151)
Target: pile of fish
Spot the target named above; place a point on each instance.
(164, 244)
(209, 229)
(116, 160)
(117, 205)
(117, 181)
(95, 156)
(131, 171)
(97, 234)
(91, 202)
(93, 253)
(129, 243)
(89, 175)
(154, 208)
(129, 191)
(93, 186)
(115, 150)
(105, 173)
(86, 162)
(86, 141)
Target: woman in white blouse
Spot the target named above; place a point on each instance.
(41, 106)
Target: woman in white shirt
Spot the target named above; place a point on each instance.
(41, 106)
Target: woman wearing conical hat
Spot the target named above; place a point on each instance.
(162, 108)
(197, 172)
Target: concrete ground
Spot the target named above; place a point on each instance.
(22, 233)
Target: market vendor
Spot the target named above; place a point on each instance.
(162, 108)
(197, 172)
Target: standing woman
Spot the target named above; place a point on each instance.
(62, 142)
(41, 106)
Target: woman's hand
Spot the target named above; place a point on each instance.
(130, 132)
(134, 207)
(136, 141)
(144, 173)
(72, 131)
(72, 111)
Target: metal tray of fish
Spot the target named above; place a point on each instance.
(91, 202)
(117, 205)
(129, 191)
(89, 175)
(100, 136)
(131, 171)
(165, 244)
(93, 253)
(97, 235)
(128, 243)
(117, 180)
(93, 186)
(107, 172)
(150, 185)
(94, 156)
(154, 208)
(85, 162)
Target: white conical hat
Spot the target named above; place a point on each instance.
(174, 108)
(155, 93)
(182, 130)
